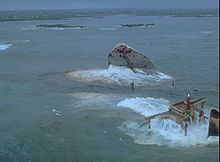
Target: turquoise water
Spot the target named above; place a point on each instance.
(46, 116)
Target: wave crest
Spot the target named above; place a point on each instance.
(4, 46)
(162, 132)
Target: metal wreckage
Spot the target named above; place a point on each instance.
(185, 112)
(188, 112)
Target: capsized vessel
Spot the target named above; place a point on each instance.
(123, 55)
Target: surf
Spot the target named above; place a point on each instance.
(118, 75)
(163, 132)
(4, 46)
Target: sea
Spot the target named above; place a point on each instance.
(61, 101)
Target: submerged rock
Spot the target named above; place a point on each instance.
(123, 55)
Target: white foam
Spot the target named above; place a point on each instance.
(145, 106)
(4, 46)
(57, 113)
(117, 74)
(30, 27)
(60, 28)
(162, 132)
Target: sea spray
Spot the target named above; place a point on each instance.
(162, 131)
(118, 75)
(4, 46)
(145, 106)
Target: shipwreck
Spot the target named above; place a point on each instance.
(188, 112)
(123, 55)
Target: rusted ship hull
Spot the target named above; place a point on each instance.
(184, 112)
(123, 55)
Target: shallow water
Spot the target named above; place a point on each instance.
(46, 116)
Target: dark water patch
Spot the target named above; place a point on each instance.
(62, 26)
(136, 25)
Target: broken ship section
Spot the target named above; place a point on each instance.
(123, 55)
(125, 65)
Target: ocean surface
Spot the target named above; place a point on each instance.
(59, 100)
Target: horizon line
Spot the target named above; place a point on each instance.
(106, 9)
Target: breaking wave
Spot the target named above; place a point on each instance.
(4, 46)
(119, 75)
(145, 106)
(162, 132)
